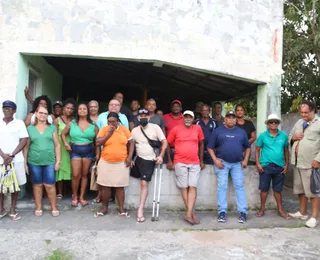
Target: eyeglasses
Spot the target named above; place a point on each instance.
(114, 104)
(7, 109)
(43, 113)
(273, 122)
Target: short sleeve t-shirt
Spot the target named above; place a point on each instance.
(10, 135)
(172, 122)
(41, 151)
(103, 120)
(143, 148)
(248, 127)
(272, 148)
(115, 148)
(158, 121)
(229, 143)
(207, 129)
(127, 112)
(186, 143)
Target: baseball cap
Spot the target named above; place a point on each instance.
(188, 112)
(58, 103)
(230, 113)
(272, 117)
(9, 103)
(143, 111)
(176, 101)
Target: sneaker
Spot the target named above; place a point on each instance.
(222, 217)
(298, 215)
(311, 223)
(242, 218)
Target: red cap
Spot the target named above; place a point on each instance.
(176, 101)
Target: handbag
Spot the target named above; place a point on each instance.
(8, 180)
(93, 181)
(315, 181)
(153, 143)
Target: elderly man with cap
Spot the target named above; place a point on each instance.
(147, 156)
(226, 147)
(13, 138)
(187, 140)
(272, 160)
(172, 120)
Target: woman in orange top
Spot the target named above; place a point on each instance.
(115, 161)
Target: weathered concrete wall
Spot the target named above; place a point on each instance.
(231, 37)
(207, 191)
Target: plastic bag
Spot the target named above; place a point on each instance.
(315, 181)
(8, 180)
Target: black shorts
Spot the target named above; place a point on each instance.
(271, 172)
(143, 169)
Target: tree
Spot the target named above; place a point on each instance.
(301, 49)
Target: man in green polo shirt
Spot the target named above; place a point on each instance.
(272, 160)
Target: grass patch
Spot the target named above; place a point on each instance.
(48, 241)
(59, 255)
(300, 225)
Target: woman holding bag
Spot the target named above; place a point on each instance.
(43, 156)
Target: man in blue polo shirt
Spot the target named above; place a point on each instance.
(208, 125)
(226, 147)
(272, 160)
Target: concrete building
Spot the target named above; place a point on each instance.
(194, 50)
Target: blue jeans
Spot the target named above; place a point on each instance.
(237, 174)
(42, 174)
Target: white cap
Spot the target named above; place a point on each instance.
(272, 117)
(188, 112)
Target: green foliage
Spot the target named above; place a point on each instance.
(249, 104)
(296, 104)
(301, 48)
(59, 255)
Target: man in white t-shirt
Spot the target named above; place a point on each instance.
(147, 156)
(13, 138)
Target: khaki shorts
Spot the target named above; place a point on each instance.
(187, 175)
(301, 182)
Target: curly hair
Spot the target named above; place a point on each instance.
(36, 103)
(88, 115)
(70, 101)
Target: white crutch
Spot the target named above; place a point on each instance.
(158, 169)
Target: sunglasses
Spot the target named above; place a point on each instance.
(274, 122)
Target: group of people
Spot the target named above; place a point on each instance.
(57, 146)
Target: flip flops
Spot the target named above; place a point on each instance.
(141, 219)
(189, 221)
(284, 215)
(98, 214)
(3, 215)
(38, 213)
(15, 217)
(260, 214)
(55, 213)
(74, 203)
(83, 202)
(59, 197)
(96, 200)
(124, 214)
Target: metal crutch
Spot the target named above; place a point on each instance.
(154, 194)
(159, 190)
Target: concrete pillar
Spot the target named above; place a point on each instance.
(268, 101)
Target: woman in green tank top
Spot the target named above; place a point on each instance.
(82, 151)
(64, 174)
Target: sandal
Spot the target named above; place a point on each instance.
(284, 215)
(74, 203)
(124, 214)
(98, 214)
(83, 202)
(38, 212)
(59, 197)
(3, 215)
(260, 214)
(190, 221)
(96, 200)
(141, 219)
(15, 217)
(55, 213)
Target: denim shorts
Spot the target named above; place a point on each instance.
(271, 172)
(85, 151)
(42, 174)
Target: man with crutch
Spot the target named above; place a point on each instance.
(148, 138)
(187, 140)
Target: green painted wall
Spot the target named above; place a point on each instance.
(50, 81)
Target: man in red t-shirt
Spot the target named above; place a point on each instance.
(187, 140)
(172, 120)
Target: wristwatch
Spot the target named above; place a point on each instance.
(11, 155)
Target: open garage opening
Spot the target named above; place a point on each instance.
(85, 79)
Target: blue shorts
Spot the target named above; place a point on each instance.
(85, 151)
(42, 174)
(271, 172)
